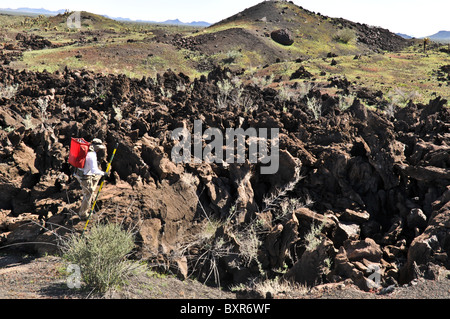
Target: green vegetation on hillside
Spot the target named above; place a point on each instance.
(323, 46)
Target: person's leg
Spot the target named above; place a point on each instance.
(87, 189)
(89, 186)
(95, 180)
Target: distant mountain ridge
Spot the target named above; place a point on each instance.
(37, 11)
(194, 23)
(174, 22)
(33, 11)
(440, 36)
(404, 36)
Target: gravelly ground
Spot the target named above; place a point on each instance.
(26, 277)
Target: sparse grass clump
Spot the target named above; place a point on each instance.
(43, 105)
(390, 110)
(231, 94)
(401, 98)
(345, 101)
(263, 81)
(285, 94)
(8, 91)
(101, 255)
(225, 89)
(274, 287)
(315, 106)
(344, 36)
(232, 56)
(249, 244)
(312, 238)
(27, 121)
(304, 88)
(397, 99)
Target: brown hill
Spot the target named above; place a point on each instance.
(312, 34)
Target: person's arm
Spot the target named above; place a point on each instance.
(91, 166)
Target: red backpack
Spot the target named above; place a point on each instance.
(78, 151)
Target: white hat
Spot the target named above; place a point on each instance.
(98, 144)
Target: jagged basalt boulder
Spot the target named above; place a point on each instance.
(312, 268)
(377, 185)
(282, 36)
(301, 73)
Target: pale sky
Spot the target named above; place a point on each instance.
(414, 17)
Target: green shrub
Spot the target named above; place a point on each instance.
(344, 36)
(101, 255)
(232, 56)
(8, 91)
(315, 106)
(313, 238)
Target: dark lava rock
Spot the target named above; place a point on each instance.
(282, 36)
